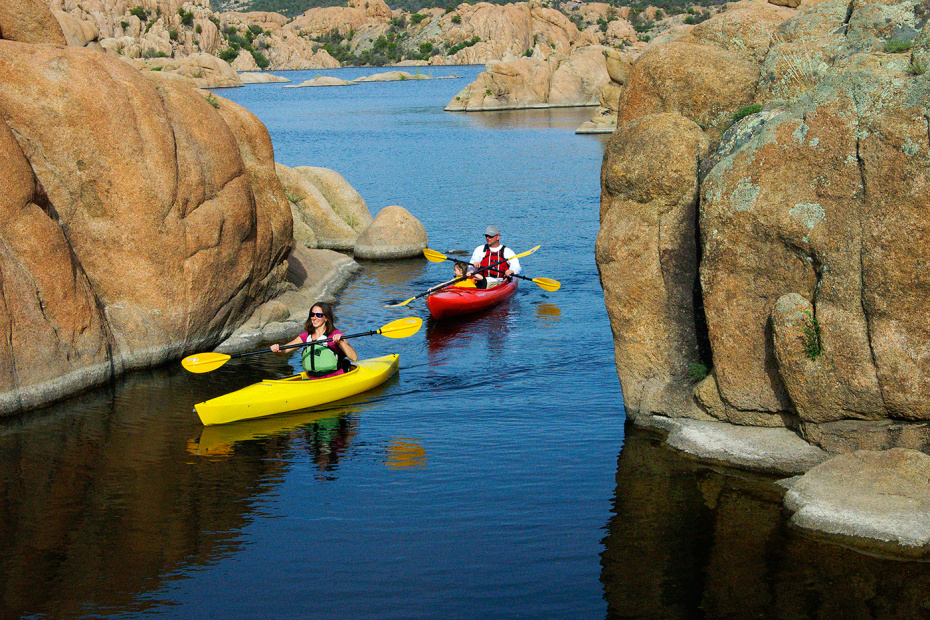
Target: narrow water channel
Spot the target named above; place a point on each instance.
(491, 478)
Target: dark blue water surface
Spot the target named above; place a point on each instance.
(478, 483)
(491, 478)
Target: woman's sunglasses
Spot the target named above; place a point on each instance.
(318, 315)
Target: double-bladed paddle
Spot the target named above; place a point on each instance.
(547, 284)
(207, 362)
(445, 284)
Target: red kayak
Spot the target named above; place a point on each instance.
(452, 300)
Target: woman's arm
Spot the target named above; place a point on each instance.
(276, 348)
(346, 347)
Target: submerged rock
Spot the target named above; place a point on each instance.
(322, 80)
(392, 76)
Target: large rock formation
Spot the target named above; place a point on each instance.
(810, 309)
(557, 81)
(328, 212)
(361, 32)
(144, 220)
(812, 301)
(395, 233)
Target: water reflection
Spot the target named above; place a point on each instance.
(548, 312)
(487, 328)
(689, 540)
(405, 453)
(544, 118)
(99, 499)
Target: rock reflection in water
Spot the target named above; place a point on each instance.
(691, 540)
(549, 118)
(102, 497)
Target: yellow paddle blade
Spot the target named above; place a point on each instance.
(399, 303)
(547, 284)
(204, 362)
(528, 252)
(401, 328)
(433, 256)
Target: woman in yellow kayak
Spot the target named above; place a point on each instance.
(327, 359)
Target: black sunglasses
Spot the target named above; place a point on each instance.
(318, 315)
(491, 236)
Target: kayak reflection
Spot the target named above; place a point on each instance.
(324, 431)
(489, 328)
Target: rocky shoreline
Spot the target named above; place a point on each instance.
(875, 501)
(780, 327)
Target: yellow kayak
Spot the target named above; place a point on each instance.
(279, 395)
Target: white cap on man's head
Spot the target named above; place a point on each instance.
(491, 231)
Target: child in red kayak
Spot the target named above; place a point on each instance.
(460, 269)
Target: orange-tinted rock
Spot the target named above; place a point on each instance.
(29, 21)
(158, 217)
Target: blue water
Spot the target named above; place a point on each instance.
(477, 483)
(491, 478)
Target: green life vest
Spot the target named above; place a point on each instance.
(319, 359)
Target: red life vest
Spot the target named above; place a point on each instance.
(491, 257)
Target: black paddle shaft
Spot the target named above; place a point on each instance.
(308, 344)
(445, 284)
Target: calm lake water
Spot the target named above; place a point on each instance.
(492, 478)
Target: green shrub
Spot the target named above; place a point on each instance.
(228, 55)
(811, 329)
(187, 17)
(124, 25)
(464, 44)
(198, 29)
(748, 110)
(140, 13)
(896, 46)
(261, 60)
(456, 19)
(173, 34)
(426, 48)
(917, 68)
(697, 371)
(212, 100)
(416, 18)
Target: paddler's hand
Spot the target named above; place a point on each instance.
(275, 348)
(336, 338)
(509, 272)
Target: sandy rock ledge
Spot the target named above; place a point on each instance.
(878, 495)
(772, 450)
(313, 275)
(873, 501)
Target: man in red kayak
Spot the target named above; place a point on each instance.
(494, 252)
